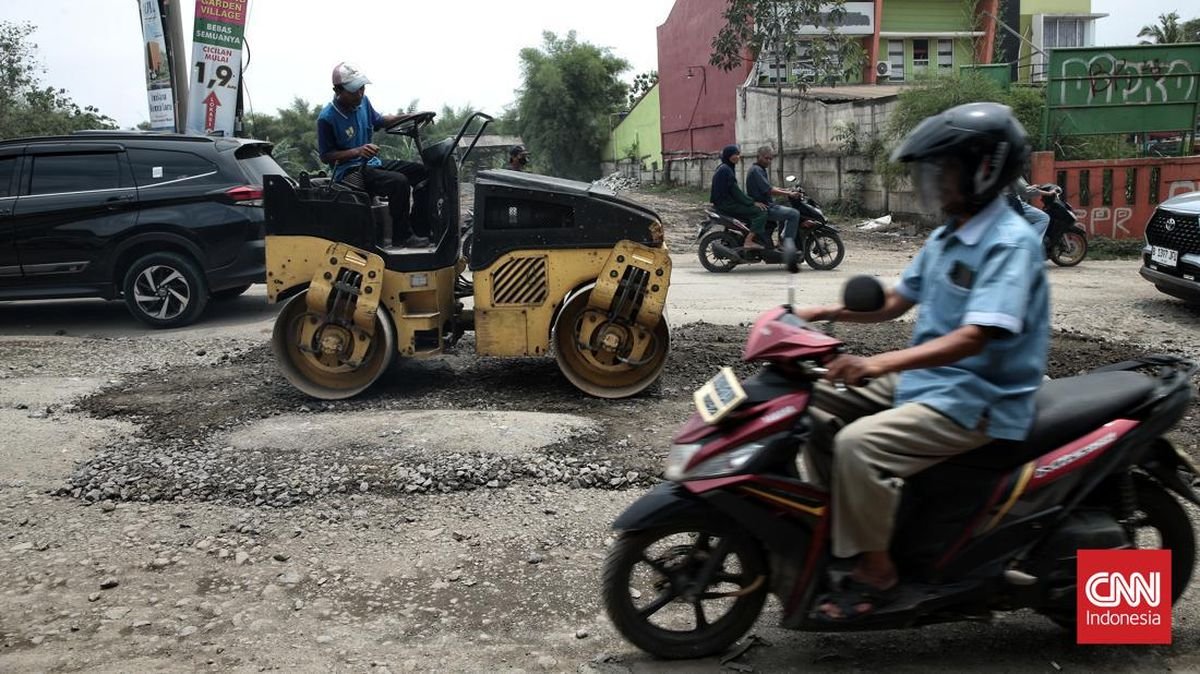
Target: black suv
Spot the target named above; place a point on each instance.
(1171, 258)
(165, 221)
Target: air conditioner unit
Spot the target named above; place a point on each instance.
(883, 69)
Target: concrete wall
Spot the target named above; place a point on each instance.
(647, 173)
(807, 123)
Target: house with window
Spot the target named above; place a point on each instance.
(1047, 24)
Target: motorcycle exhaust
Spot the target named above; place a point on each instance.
(720, 249)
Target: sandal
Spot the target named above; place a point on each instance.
(850, 596)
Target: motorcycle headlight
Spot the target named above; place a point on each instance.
(720, 465)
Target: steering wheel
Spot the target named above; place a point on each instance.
(411, 124)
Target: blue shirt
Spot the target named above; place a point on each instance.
(341, 130)
(989, 272)
(758, 186)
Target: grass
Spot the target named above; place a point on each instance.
(1102, 248)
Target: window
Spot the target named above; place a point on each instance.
(945, 54)
(154, 167)
(57, 173)
(8, 166)
(920, 58)
(896, 59)
(1062, 32)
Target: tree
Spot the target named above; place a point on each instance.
(568, 90)
(1191, 30)
(1167, 31)
(642, 83)
(27, 108)
(754, 28)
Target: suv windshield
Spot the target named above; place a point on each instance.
(256, 161)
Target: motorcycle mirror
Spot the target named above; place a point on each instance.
(791, 256)
(790, 179)
(863, 293)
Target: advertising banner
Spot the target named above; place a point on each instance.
(158, 69)
(216, 69)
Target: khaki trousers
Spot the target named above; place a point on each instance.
(864, 448)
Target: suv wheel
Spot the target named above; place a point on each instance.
(165, 290)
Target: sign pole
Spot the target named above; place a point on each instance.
(173, 33)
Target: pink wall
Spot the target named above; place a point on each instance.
(698, 113)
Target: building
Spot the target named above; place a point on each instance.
(697, 101)
(917, 37)
(637, 137)
(1046, 24)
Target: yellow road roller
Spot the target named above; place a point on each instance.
(556, 266)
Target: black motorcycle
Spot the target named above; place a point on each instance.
(1065, 239)
(723, 239)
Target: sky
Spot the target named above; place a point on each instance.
(454, 52)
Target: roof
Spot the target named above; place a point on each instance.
(491, 141)
(842, 94)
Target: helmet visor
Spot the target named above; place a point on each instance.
(927, 178)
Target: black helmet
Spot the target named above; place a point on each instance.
(988, 142)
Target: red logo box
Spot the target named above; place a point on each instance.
(1123, 597)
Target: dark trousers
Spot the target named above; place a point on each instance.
(395, 180)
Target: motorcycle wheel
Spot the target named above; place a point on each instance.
(823, 249)
(662, 596)
(1159, 523)
(1069, 250)
(712, 260)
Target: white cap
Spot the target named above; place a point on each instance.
(348, 77)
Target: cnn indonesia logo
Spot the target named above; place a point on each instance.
(1124, 597)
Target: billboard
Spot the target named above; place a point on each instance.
(216, 70)
(1137, 89)
(158, 68)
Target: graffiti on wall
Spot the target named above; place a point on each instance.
(1119, 222)
(1110, 79)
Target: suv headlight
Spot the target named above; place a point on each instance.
(720, 465)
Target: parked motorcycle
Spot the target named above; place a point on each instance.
(1065, 239)
(722, 239)
(995, 529)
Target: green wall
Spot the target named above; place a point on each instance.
(640, 126)
(926, 15)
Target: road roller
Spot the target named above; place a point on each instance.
(555, 267)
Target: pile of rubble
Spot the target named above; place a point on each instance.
(617, 182)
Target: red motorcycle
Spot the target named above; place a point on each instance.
(995, 529)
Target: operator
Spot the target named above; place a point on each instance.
(978, 351)
(758, 186)
(729, 199)
(518, 158)
(344, 130)
(1019, 195)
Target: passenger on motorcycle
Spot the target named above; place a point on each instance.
(759, 187)
(1019, 195)
(978, 350)
(729, 199)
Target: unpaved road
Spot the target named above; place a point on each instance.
(170, 503)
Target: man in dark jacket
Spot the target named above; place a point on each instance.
(730, 200)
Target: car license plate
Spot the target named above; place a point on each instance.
(720, 396)
(1164, 256)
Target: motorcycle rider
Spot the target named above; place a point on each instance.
(759, 187)
(729, 199)
(978, 351)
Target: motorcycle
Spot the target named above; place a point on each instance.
(995, 529)
(722, 239)
(1065, 240)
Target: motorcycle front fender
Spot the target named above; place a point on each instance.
(667, 502)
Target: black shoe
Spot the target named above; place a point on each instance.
(415, 241)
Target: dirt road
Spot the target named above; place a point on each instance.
(170, 503)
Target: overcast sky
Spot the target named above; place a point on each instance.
(439, 51)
